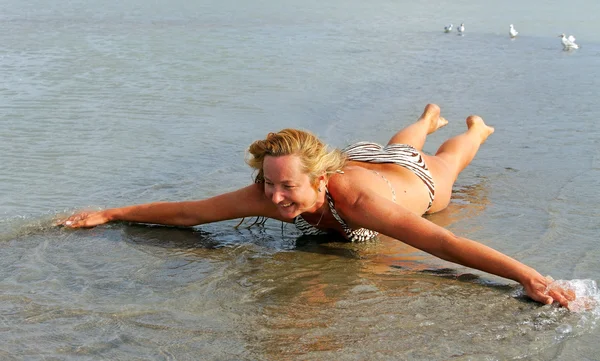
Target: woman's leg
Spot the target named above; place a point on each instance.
(453, 156)
(416, 133)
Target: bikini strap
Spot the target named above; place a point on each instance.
(335, 214)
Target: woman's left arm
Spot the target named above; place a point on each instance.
(377, 213)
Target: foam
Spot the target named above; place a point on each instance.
(587, 295)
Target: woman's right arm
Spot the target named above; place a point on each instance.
(245, 202)
(362, 208)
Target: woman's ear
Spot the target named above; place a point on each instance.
(321, 182)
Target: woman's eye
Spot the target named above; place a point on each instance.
(289, 187)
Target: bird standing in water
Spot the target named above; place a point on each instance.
(512, 32)
(568, 43)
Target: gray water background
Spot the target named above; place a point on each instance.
(112, 103)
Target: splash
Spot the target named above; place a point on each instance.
(587, 295)
(19, 226)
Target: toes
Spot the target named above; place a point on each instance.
(442, 121)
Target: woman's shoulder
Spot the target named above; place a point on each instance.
(346, 187)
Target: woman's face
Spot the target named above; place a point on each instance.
(288, 187)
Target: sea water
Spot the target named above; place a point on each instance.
(106, 104)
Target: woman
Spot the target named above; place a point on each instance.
(358, 192)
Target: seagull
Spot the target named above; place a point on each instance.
(461, 29)
(568, 42)
(448, 28)
(512, 32)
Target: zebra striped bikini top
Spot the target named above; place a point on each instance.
(401, 154)
(354, 235)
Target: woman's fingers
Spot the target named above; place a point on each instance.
(69, 220)
(546, 290)
(83, 219)
(561, 295)
(538, 294)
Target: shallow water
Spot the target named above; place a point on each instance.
(113, 104)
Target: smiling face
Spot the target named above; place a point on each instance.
(288, 186)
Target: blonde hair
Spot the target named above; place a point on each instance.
(316, 157)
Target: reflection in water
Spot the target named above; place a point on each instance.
(467, 201)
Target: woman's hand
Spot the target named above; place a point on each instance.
(539, 289)
(85, 219)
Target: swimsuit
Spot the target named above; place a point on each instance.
(401, 154)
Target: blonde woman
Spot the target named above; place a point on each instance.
(358, 192)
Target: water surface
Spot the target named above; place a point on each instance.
(116, 103)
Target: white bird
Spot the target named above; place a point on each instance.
(512, 32)
(461, 29)
(448, 28)
(568, 42)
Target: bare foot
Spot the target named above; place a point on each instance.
(432, 116)
(476, 123)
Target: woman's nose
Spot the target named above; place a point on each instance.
(277, 196)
